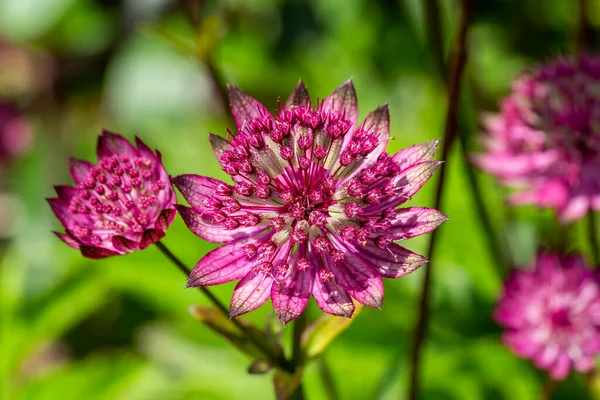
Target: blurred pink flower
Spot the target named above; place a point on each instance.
(313, 208)
(546, 139)
(15, 133)
(552, 314)
(124, 204)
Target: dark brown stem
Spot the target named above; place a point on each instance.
(584, 33)
(281, 361)
(191, 9)
(458, 63)
(548, 389)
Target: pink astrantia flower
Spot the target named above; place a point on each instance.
(124, 204)
(15, 133)
(313, 205)
(552, 314)
(546, 139)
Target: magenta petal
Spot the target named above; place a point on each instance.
(66, 193)
(224, 264)
(203, 227)
(298, 98)
(79, 169)
(416, 154)
(68, 239)
(165, 219)
(196, 188)
(151, 236)
(332, 298)
(290, 296)
(415, 221)
(377, 124)
(343, 101)
(392, 262)
(360, 280)
(145, 151)
(561, 368)
(245, 108)
(97, 252)
(250, 293)
(110, 143)
(124, 245)
(413, 178)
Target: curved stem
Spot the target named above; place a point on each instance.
(280, 360)
(458, 63)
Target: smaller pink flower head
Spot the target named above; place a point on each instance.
(15, 133)
(546, 138)
(123, 204)
(314, 205)
(552, 314)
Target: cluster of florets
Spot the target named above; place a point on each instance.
(312, 208)
(123, 204)
(546, 139)
(552, 314)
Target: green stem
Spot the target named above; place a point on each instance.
(278, 359)
(327, 379)
(297, 358)
(593, 237)
(459, 59)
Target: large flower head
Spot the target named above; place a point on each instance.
(123, 204)
(552, 314)
(313, 208)
(546, 139)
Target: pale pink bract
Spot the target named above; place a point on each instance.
(552, 314)
(123, 204)
(313, 205)
(546, 139)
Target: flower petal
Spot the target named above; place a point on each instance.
(393, 262)
(202, 226)
(244, 108)
(377, 124)
(359, 279)
(250, 293)
(330, 297)
(79, 169)
(165, 219)
(416, 154)
(151, 236)
(196, 188)
(415, 221)
(343, 101)
(68, 239)
(224, 264)
(124, 245)
(97, 253)
(110, 143)
(299, 97)
(290, 295)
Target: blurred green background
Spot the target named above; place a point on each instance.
(72, 328)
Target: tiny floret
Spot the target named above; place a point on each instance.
(552, 314)
(313, 205)
(123, 204)
(546, 139)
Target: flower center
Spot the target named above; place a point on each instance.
(117, 196)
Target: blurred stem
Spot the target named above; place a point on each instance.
(458, 62)
(548, 389)
(327, 379)
(281, 362)
(434, 34)
(191, 9)
(593, 236)
(584, 33)
(297, 360)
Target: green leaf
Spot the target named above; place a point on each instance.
(224, 326)
(320, 333)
